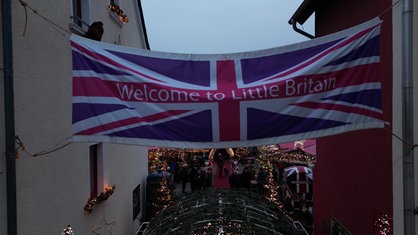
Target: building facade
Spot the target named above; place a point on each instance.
(359, 176)
(54, 177)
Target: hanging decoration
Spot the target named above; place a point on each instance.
(113, 7)
(165, 196)
(270, 185)
(162, 156)
(91, 202)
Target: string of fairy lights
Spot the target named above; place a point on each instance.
(113, 7)
(383, 225)
(165, 196)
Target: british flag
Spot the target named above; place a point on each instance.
(321, 87)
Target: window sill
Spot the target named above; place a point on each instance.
(116, 19)
(74, 28)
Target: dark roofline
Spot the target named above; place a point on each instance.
(304, 11)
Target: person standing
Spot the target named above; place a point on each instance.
(203, 177)
(234, 180)
(246, 178)
(184, 177)
(95, 31)
(195, 179)
(209, 176)
(220, 162)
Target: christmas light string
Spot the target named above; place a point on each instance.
(113, 7)
(390, 8)
(400, 139)
(165, 196)
(25, 6)
(58, 146)
(383, 225)
(116, 9)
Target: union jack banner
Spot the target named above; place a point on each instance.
(321, 87)
(299, 178)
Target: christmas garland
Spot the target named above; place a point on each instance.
(91, 202)
(113, 7)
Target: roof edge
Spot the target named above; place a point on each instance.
(304, 11)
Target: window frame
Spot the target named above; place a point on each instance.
(93, 158)
(80, 16)
(96, 169)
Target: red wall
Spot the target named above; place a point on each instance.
(353, 174)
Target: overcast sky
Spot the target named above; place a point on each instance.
(220, 26)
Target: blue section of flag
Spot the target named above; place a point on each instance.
(255, 69)
(365, 97)
(193, 72)
(262, 124)
(199, 131)
(88, 110)
(368, 49)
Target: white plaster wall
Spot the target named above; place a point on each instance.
(125, 167)
(52, 189)
(398, 217)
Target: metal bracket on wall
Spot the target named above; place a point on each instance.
(293, 22)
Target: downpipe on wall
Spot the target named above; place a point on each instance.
(9, 117)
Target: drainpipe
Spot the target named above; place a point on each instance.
(144, 28)
(407, 120)
(9, 117)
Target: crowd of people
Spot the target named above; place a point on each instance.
(199, 170)
(199, 176)
(202, 171)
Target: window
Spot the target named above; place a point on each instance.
(80, 16)
(93, 170)
(96, 169)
